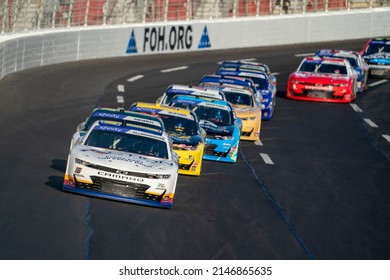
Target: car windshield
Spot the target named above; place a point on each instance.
(128, 143)
(323, 68)
(218, 116)
(260, 83)
(377, 48)
(238, 98)
(168, 97)
(179, 125)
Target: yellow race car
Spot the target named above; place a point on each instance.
(247, 109)
(187, 136)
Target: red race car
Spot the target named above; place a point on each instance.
(324, 80)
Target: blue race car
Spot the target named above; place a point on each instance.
(264, 87)
(356, 61)
(217, 118)
(376, 53)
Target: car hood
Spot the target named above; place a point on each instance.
(213, 129)
(320, 77)
(122, 160)
(244, 111)
(187, 140)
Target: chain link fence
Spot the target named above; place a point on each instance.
(23, 15)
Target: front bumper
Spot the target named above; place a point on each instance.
(118, 190)
(221, 150)
(190, 161)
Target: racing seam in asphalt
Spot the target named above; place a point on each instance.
(279, 208)
(87, 242)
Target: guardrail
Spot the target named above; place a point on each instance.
(23, 15)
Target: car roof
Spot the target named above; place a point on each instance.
(155, 108)
(194, 90)
(220, 79)
(142, 130)
(332, 52)
(228, 88)
(242, 73)
(128, 117)
(222, 104)
(380, 40)
(326, 59)
(244, 65)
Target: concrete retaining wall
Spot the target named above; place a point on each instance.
(25, 50)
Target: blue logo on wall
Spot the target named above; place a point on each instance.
(132, 46)
(204, 40)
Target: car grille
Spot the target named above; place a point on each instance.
(318, 94)
(247, 133)
(120, 188)
(210, 150)
(183, 166)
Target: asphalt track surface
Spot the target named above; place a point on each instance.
(323, 192)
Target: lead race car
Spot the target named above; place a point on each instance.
(123, 162)
(324, 80)
(376, 53)
(218, 119)
(187, 136)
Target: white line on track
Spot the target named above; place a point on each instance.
(120, 99)
(387, 137)
(378, 83)
(121, 88)
(275, 73)
(174, 69)
(132, 79)
(248, 59)
(370, 123)
(266, 158)
(356, 108)
(303, 54)
(258, 142)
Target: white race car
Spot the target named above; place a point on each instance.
(124, 162)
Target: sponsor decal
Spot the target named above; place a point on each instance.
(319, 87)
(107, 115)
(204, 40)
(120, 176)
(132, 45)
(167, 38)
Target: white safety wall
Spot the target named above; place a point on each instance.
(26, 50)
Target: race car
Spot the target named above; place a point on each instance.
(247, 65)
(324, 80)
(115, 115)
(264, 87)
(232, 81)
(126, 163)
(246, 109)
(356, 61)
(187, 136)
(376, 53)
(200, 91)
(222, 126)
